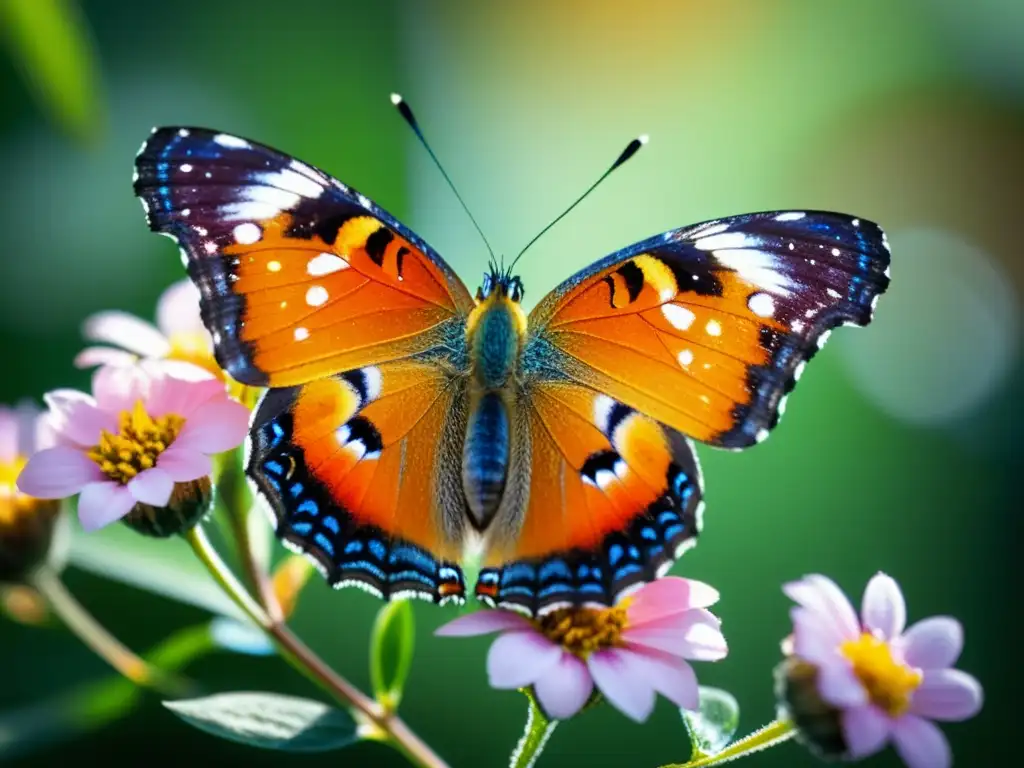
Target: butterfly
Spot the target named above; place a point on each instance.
(407, 422)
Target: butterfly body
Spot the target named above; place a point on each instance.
(406, 423)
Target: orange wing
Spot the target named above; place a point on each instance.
(300, 276)
(362, 472)
(706, 329)
(614, 499)
(698, 332)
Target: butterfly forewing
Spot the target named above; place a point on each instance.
(708, 328)
(300, 276)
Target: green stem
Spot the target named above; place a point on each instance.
(389, 726)
(82, 623)
(535, 736)
(774, 733)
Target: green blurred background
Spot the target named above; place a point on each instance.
(899, 452)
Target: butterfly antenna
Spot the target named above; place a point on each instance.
(630, 150)
(410, 118)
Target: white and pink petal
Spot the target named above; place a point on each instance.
(153, 487)
(920, 743)
(482, 623)
(518, 659)
(623, 683)
(947, 694)
(218, 425)
(128, 332)
(933, 643)
(822, 595)
(883, 609)
(865, 730)
(58, 472)
(101, 504)
(564, 688)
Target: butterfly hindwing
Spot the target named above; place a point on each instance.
(361, 472)
(300, 276)
(707, 328)
(614, 499)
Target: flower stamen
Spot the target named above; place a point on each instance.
(139, 440)
(581, 631)
(889, 682)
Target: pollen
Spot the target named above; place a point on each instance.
(139, 440)
(889, 682)
(581, 631)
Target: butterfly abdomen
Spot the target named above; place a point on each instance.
(485, 457)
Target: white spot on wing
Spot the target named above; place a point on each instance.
(229, 141)
(797, 326)
(186, 167)
(210, 247)
(714, 328)
(602, 410)
(301, 334)
(325, 264)
(823, 338)
(762, 305)
(291, 181)
(247, 233)
(836, 252)
(316, 296)
(679, 317)
(799, 370)
(183, 132)
(833, 293)
(757, 268)
(685, 357)
(725, 240)
(761, 436)
(373, 381)
(790, 216)
(711, 228)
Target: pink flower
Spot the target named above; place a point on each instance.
(141, 432)
(885, 683)
(179, 333)
(630, 651)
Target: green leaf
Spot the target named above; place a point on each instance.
(713, 726)
(391, 646)
(269, 721)
(50, 43)
(164, 566)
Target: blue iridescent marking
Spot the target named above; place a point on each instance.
(648, 534)
(331, 524)
(302, 528)
(582, 571)
(273, 466)
(554, 569)
(447, 572)
(626, 570)
(634, 553)
(366, 565)
(517, 572)
(324, 543)
(514, 590)
(654, 551)
(413, 556)
(377, 548)
(308, 507)
(161, 171)
(615, 553)
(278, 431)
(553, 589)
(592, 587)
(411, 575)
(673, 530)
(354, 547)
(296, 490)
(274, 484)
(487, 577)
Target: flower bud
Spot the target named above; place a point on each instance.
(26, 531)
(818, 723)
(189, 503)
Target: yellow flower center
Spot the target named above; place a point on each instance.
(13, 503)
(140, 439)
(888, 682)
(581, 631)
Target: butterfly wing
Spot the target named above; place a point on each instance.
(699, 332)
(300, 276)
(355, 324)
(706, 329)
(614, 498)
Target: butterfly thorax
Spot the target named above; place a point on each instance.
(496, 330)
